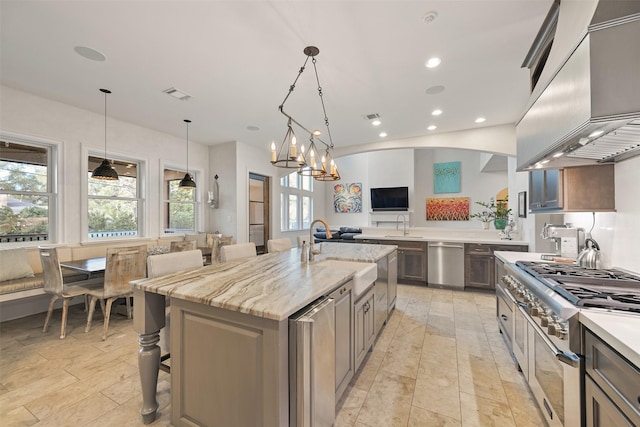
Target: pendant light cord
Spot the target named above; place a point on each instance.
(105, 125)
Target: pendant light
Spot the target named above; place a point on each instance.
(187, 181)
(105, 171)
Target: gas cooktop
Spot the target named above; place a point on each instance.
(603, 288)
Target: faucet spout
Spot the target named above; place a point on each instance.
(404, 224)
(313, 251)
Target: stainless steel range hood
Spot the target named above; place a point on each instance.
(589, 110)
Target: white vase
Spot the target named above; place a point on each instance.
(485, 225)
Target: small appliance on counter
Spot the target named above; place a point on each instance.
(567, 239)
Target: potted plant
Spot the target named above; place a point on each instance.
(498, 211)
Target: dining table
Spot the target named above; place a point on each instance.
(89, 266)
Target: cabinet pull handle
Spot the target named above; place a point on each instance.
(503, 317)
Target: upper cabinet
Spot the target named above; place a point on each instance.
(577, 189)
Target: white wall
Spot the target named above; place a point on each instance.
(222, 161)
(75, 130)
(479, 186)
(413, 168)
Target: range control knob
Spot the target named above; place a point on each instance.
(544, 321)
(534, 309)
(562, 333)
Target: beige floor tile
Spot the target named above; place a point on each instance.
(521, 401)
(479, 376)
(423, 418)
(438, 324)
(439, 392)
(403, 358)
(480, 412)
(23, 395)
(410, 331)
(389, 401)
(82, 412)
(349, 407)
(367, 373)
(19, 416)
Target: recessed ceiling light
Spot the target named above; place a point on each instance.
(436, 112)
(544, 162)
(89, 53)
(480, 119)
(432, 127)
(558, 154)
(383, 134)
(317, 132)
(433, 62)
(376, 122)
(253, 128)
(596, 133)
(177, 93)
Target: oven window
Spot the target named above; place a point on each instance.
(549, 373)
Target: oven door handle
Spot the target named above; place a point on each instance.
(570, 359)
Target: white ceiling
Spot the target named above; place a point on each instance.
(238, 58)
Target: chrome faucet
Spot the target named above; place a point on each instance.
(404, 224)
(312, 251)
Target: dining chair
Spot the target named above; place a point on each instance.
(239, 250)
(161, 265)
(278, 245)
(184, 245)
(123, 265)
(55, 284)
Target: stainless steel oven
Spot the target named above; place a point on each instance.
(540, 333)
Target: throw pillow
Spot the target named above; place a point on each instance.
(14, 265)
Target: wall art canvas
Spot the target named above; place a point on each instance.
(448, 209)
(446, 177)
(347, 197)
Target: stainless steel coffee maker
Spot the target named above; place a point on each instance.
(567, 239)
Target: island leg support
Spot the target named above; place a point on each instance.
(149, 364)
(149, 318)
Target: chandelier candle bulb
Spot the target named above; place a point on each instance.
(273, 152)
(293, 147)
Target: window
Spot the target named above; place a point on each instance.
(180, 204)
(26, 192)
(296, 207)
(114, 207)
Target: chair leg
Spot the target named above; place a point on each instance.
(65, 311)
(92, 308)
(107, 315)
(49, 312)
(128, 299)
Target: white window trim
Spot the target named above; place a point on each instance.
(285, 211)
(197, 175)
(142, 179)
(54, 159)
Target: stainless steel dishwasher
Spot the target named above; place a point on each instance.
(446, 264)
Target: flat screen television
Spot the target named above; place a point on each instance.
(390, 199)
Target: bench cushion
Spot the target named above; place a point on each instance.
(14, 264)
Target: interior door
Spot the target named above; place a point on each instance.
(259, 211)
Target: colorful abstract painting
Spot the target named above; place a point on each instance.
(448, 209)
(347, 198)
(446, 177)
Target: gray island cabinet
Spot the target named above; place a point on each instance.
(229, 333)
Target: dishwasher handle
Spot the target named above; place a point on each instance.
(446, 245)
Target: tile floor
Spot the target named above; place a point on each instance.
(440, 361)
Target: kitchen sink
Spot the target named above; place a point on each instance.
(365, 273)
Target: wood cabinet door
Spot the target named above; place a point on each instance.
(344, 337)
(479, 271)
(412, 264)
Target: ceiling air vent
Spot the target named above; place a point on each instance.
(372, 116)
(177, 93)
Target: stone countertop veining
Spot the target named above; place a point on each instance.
(271, 286)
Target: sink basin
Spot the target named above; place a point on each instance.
(365, 273)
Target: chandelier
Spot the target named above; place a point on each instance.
(292, 153)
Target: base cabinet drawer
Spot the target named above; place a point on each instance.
(616, 377)
(600, 410)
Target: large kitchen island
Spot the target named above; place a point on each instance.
(230, 333)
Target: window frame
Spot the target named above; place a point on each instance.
(164, 202)
(141, 191)
(285, 192)
(54, 157)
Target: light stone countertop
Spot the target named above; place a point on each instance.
(271, 286)
(620, 330)
(512, 257)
